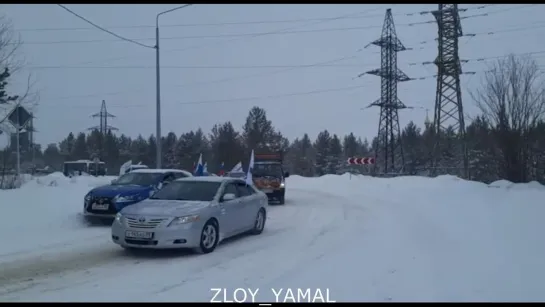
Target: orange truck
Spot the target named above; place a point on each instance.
(269, 176)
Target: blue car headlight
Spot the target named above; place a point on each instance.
(125, 199)
(87, 197)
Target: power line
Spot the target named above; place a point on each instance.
(233, 35)
(223, 80)
(193, 47)
(482, 59)
(101, 28)
(231, 23)
(532, 26)
(232, 99)
(323, 65)
(242, 99)
(194, 67)
(255, 75)
(215, 42)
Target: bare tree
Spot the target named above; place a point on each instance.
(10, 44)
(12, 61)
(512, 100)
(11, 64)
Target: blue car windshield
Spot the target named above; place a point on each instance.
(143, 179)
(188, 190)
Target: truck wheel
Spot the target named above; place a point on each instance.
(281, 199)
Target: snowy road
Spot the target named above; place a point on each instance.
(298, 234)
(364, 239)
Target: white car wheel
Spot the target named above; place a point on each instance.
(259, 222)
(209, 237)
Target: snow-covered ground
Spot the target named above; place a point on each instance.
(362, 238)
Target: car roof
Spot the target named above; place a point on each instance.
(211, 179)
(161, 171)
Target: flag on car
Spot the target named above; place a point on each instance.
(199, 170)
(237, 168)
(222, 171)
(123, 169)
(249, 179)
(205, 169)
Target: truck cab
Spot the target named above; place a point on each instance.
(269, 176)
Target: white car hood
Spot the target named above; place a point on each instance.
(164, 207)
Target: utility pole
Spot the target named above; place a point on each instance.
(158, 137)
(449, 112)
(389, 157)
(158, 142)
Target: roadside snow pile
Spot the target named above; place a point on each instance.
(506, 184)
(441, 239)
(46, 211)
(12, 182)
(58, 179)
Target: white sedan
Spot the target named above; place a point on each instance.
(193, 212)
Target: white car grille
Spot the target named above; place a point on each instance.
(147, 223)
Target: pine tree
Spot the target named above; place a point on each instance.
(335, 156)
(5, 98)
(321, 146)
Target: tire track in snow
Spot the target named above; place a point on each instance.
(28, 273)
(323, 223)
(293, 236)
(43, 266)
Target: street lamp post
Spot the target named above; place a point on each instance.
(158, 85)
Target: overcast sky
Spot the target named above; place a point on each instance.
(209, 55)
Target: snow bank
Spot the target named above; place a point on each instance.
(12, 182)
(506, 184)
(46, 211)
(58, 179)
(441, 238)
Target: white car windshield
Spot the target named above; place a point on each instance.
(143, 179)
(188, 190)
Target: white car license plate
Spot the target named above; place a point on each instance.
(138, 234)
(97, 206)
(267, 191)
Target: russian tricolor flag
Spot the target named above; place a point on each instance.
(249, 175)
(222, 171)
(199, 169)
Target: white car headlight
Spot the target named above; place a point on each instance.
(124, 199)
(118, 217)
(282, 185)
(184, 220)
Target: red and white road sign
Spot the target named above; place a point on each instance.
(361, 161)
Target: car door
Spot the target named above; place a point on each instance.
(232, 210)
(248, 207)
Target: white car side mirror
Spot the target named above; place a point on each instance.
(228, 197)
